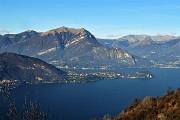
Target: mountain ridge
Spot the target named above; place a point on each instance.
(68, 47)
(163, 53)
(28, 69)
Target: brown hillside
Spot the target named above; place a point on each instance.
(166, 107)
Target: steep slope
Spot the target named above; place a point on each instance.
(166, 107)
(69, 47)
(158, 49)
(28, 69)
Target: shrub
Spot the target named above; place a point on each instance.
(30, 110)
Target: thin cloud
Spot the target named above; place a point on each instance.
(108, 36)
(170, 16)
(114, 36)
(173, 7)
(4, 31)
(121, 9)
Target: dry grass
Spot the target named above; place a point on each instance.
(166, 107)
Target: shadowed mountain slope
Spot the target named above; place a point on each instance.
(69, 47)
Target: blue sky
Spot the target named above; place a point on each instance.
(103, 18)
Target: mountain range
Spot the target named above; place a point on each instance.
(70, 48)
(158, 49)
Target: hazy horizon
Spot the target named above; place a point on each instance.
(107, 37)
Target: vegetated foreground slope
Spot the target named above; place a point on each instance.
(166, 107)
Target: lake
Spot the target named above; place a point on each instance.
(95, 99)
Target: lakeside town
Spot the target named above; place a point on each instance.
(74, 77)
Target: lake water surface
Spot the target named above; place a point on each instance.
(95, 99)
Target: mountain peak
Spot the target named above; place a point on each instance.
(64, 29)
(67, 29)
(68, 47)
(30, 31)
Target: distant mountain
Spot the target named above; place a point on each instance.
(128, 40)
(69, 47)
(28, 69)
(156, 38)
(158, 49)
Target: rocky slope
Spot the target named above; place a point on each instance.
(68, 47)
(158, 49)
